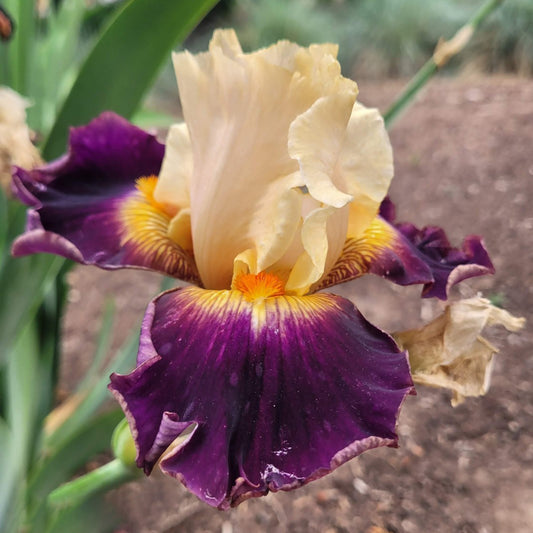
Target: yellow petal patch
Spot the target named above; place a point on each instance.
(259, 286)
(146, 225)
(261, 296)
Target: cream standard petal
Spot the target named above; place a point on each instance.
(322, 237)
(174, 178)
(277, 221)
(344, 154)
(227, 42)
(316, 140)
(179, 229)
(282, 54)
(365, 167)
(304, 60)
(275, 226)
(239, 109)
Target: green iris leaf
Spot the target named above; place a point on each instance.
(124, 62)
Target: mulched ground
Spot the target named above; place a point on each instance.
(464, 161)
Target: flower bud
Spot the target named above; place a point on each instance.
(123, 445)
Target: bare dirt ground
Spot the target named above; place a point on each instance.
(464, 161)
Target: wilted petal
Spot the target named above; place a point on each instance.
(16, 147)
(96, 204)
(281, 389)
(448, 265)
(449, 352)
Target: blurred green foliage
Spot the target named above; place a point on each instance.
(42, 59)
(375, 37)
(379, 38)
(505, 43)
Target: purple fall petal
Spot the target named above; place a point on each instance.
(448, 265)
(281, 392)
(77, 201)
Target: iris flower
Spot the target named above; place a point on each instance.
(269, 192)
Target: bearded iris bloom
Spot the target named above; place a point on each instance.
(273, 189)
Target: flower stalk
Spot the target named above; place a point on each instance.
(444, 51)
(102, 479)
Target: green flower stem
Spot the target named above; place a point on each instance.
(102, 479)
(443, 53)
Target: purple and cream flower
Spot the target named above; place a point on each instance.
(268, 192)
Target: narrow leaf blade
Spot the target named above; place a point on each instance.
(125, 61)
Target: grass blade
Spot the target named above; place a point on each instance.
(124, 62)
(20, 47)
(103, 344)
(93, 438)
(92, 399)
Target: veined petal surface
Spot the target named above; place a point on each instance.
(276, 390)
(380, 250)
(96, 206)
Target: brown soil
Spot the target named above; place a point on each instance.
(464, 161)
